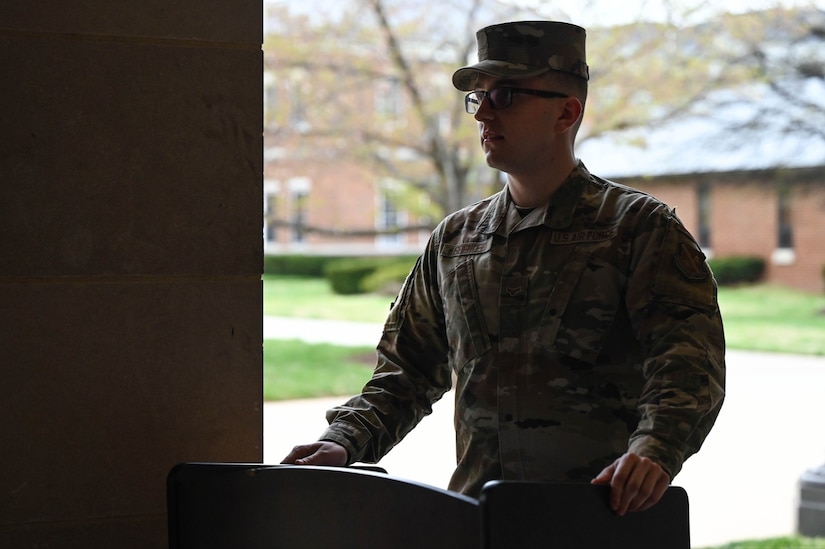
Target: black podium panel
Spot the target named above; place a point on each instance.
(525, 515)
(257, 506)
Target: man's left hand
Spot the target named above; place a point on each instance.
(636, 483)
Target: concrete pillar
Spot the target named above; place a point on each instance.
(130, 259)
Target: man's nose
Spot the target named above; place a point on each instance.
(485, 109)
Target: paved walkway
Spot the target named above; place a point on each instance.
(743, 484)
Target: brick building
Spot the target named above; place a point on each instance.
(776, 214)
(347, 203)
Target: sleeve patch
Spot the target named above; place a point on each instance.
(682, 274)
(691, 262)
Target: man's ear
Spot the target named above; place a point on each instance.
(570, 114)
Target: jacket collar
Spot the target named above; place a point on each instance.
(559, 213)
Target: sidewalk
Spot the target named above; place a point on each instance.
(742, 484)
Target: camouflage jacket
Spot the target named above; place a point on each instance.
(581, 331)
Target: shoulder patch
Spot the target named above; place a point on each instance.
(682, 274)
(691, 262)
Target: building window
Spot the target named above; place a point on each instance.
(388, 218)
(271, 190)
(298, 216)
(270, 99)
(298, 196)
(785, 224)
(784, 253)
(703, 200)
(298, 118)
(389, 102)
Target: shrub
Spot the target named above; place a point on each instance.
(737, 269)
(360, 275)
(346, 275)
(387, 279)
(294, 264)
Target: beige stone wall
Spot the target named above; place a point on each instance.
(130, 259)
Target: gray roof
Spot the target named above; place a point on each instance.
(752, 129)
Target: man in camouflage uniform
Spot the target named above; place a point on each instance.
(578, 317)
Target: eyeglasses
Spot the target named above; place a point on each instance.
(501, 97)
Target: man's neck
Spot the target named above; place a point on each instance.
(530, 191)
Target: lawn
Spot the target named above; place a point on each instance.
(303, 297)
(776, 543)
(758, 318)
(294, 369)
(774, 319)
(762, 318)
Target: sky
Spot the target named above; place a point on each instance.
(589, 13)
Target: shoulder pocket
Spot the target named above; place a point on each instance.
(682, 275)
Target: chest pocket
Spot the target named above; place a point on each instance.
(582, 307)
(467, 334)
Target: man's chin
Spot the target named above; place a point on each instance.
(494, 162)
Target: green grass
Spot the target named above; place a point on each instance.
(294, 369)
(773, 319)
(313, 298)
(776, 543)
(759, 318)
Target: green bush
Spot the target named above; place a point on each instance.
(387, 279)
(360, 275)
(317, 265)
(295, 264)
(737, 269)
(346, 275)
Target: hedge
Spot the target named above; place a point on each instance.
(737, 269)
(366, 274)
(387, 279)
(295, 264)
(345, 275)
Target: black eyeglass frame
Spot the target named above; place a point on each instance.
(472, 103)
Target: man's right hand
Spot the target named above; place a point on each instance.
(322, 452)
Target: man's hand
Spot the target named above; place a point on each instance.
(636, 483)
(318, 453)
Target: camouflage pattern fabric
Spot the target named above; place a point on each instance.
(574, 334)
(524, 49)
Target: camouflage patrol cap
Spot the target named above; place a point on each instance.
(523, 49)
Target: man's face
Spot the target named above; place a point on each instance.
(519, 139)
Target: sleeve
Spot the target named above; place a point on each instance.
(672, 300)
(411, 372)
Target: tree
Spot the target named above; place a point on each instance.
(370, 84)
(392, 67)
(786, 52)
